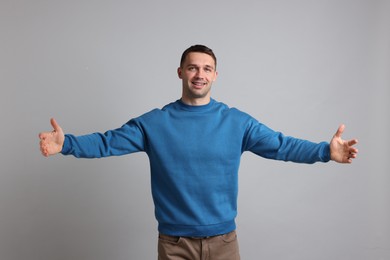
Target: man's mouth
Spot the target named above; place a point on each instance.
(198, 84)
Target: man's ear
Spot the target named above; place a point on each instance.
(179, 71)
(216, 75)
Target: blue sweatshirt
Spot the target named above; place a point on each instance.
(194, 154)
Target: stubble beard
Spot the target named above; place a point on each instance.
(196, 94)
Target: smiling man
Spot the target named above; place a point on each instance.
(197, 71)
(194, 147)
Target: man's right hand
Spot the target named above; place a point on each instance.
(51, 142)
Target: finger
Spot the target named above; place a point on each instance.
(41, 136)
(43, 149)
(353, 155)
(353, 151)
(340, 130)
(350, 157)
(45, 153)
(54, 124)
(352, 142)
(42, 144)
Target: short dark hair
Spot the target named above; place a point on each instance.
(198, 48)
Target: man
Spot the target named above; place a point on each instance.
(194, 147)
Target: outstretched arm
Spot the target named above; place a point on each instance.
(342, 151)
(51, 142)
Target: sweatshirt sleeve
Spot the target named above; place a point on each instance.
(124, 140)
(270, 144)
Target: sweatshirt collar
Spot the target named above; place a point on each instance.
(200, 108)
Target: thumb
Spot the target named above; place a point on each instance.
(340, 131)
(55, 126)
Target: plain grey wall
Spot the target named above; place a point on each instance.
(301, 67)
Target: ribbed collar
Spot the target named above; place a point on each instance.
(201, 108)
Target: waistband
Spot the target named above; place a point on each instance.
(176, 238)
(197, 231)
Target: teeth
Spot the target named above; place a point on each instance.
(198, 83)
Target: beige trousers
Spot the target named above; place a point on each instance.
(223, 247)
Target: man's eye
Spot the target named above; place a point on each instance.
(191, 68)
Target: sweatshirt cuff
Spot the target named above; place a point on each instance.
(325, 155)
(66, 147)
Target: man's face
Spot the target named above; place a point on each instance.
(197, 74)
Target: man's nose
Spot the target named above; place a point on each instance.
(199, 74)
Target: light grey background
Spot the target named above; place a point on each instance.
(302, 67)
